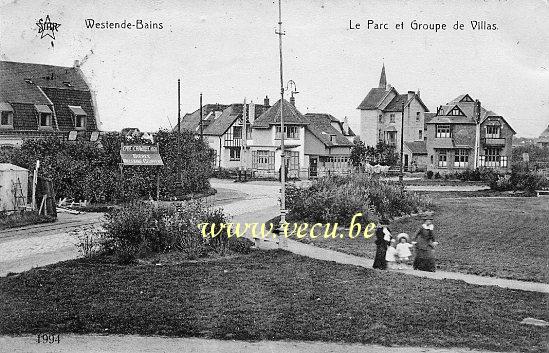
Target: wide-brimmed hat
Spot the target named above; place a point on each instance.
(428, 215)
(403, 235)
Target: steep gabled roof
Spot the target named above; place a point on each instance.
(417, 147)
(18, 79)
(373, 99)
(402, 99)
(292, 116)
(227, 118)
(191, 121)
(545, 135)
(428, 117)
(320, 125)
(468, 108)
(26, 86)
(462, 98)
(333, 119)
(396, 104)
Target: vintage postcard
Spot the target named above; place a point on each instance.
(274, 176)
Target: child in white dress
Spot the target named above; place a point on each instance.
(390, 256)
(403, 252)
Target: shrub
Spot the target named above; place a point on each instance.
(338, 198)
(437, 175)
(141, 228)
(429, 174)
(521, 178)
(88, 171)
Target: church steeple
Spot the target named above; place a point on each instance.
(383, 79)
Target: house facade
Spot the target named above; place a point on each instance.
(451, 137)
(230, 137)
(42, 100)
(314, 145)
(382, 112)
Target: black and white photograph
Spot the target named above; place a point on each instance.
(296, 176)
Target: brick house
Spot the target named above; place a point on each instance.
(451, 137)
(43, 100)
(381, 114)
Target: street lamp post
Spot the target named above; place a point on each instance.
(179, 182)
(282, 243)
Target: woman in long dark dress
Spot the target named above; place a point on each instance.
(425, 244)
(383, 239)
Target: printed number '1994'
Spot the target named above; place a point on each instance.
(47, 338)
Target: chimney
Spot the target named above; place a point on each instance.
(345, 125)
(251, 112)
(411, 95)
(417, 94)
(266, 102)
(76, 63)
(292, 100)
(478, 110)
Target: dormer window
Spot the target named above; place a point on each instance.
(456, 112)
(6, 118)
(493, 131)
(44, 116)
(79, 117)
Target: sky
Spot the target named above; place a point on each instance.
(228, 50)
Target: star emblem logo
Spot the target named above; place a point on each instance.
(47, 28)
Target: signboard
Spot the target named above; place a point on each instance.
(140, 155)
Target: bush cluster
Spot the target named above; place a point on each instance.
(382, 154)
(339, 198)
(521, 178)
(141, 228)
(88, 171)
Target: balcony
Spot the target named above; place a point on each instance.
(235, 142)
(493, 141)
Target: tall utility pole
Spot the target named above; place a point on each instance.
(201, 126)
(179, 179)
(282, 239)
(477, 134)
(401, 175)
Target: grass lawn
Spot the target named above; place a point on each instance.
(502, 237)
(269, 295)
(443, 182)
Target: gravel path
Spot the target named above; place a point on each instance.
(139, 344)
